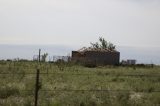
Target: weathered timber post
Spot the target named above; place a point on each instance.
(39, 59)
(37, 88)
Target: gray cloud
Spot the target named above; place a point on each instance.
(124, 22)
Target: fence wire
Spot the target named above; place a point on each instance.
(75, 74)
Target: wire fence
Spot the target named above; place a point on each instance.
(75, 74)
(67, 90)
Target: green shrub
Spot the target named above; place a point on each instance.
(7, 92)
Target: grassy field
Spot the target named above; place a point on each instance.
(75, 85)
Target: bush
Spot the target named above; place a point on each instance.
(90, 64)
(60, 64)
(7, 92)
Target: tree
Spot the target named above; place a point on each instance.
(111, 46)
(95, 45)
(44, 56)
(103, 44)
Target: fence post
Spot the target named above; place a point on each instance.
(39, 58)
(37, 88)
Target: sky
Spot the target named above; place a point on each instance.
(76, 23)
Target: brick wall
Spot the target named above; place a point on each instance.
(96, 57)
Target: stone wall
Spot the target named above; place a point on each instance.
(96, 57)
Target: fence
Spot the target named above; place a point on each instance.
(53, 58)
(58, 94)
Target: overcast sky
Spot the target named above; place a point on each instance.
(79, 22)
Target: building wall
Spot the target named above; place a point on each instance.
(96, 57)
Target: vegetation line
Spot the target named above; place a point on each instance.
(125, 75)
(104, 90)
(78, 90)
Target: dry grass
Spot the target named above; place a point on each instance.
(78, 86)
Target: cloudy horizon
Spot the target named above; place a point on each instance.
(141, 54)
(77, 22)
(130, 24)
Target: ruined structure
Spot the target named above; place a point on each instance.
(96, 56)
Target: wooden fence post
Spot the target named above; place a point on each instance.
(37, 88)
(39, 58)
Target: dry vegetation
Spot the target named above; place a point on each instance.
(73, 85)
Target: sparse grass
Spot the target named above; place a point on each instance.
(120, 86)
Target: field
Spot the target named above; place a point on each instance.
(74, 85)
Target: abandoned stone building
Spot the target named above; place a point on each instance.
(96, 56)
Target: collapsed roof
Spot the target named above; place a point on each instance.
(85, 49)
